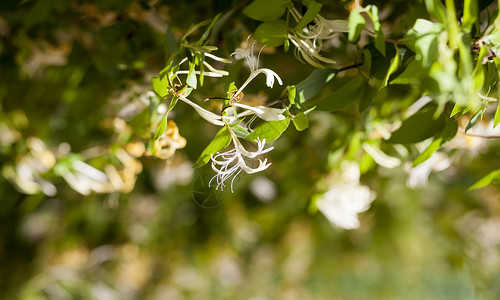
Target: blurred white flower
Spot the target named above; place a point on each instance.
(419, 175)
(346, 198)
(380, 157)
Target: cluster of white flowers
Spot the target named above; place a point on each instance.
(230, 163)
(310, 40)
(345, 198)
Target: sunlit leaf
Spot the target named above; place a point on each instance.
(269, 130)
(312, 12)
(300, 121)
(486, 180)
(220, 142)
(393, 67)
(356, 25)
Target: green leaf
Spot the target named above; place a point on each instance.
(423, 40)
(239, 131)
(474, 119)
(420, 126)
(356, 25)
(220, 142)
(433, 147)
(265, 10)
(393, 67)
(191, 78)
(412, 74)
(448, 132)
(486, 180)
(269, 130)
(479, 74)
(313, 84)
(471, 13)
(161, 129)
(291, 93)
(344, 96)
(312, 12)
(160, 86)
(300, 121)
(372, 11)
(271, 34)
(497, 115)
(436, 10)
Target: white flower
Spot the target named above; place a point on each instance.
(309, 41)
(253, 64)
(418, 176)
(265, 113)
(345, 199)
(230, 163)
(205, 114)
(308, 52)
(380, 157)
(213, 72)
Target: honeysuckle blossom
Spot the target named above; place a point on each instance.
(213, 72)
(230, 163)
(253, 64)
(265, 113)
(309, 41)
(320, 30)
(418, 176)
(345, 198)
(306, 50)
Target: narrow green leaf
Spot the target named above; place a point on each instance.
(300, 121)
(436, 10)
(220, 142)
(207, 30)
(486, 180)
(344, 96)
(271, 34)
(433, 147)
(471, 14)
(474, 120)
(313, 84)
(191, 78)
(291, 93)
(161, 129)
(420, 126)
(479, 74)
(269, 130)
(311, 13)
(265, 10)
(497, 115)
(393, 67)
(356, 25)
(449, 131)
(379, 35)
